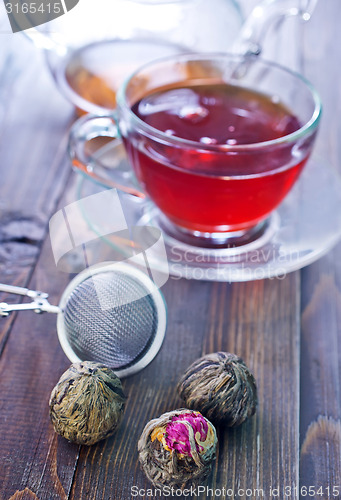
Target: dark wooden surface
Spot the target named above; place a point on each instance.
(287, 331)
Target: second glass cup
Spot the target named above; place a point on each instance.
(216, 141)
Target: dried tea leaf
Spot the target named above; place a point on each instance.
(87, 403)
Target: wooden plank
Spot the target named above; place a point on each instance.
(34, 169)
(25, 494)
(263, 329)
(114, 464)
(31, 455)
(321, 282)
(321, 377)
(34, 123)
(258, 321)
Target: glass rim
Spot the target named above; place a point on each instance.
(154, 133)
(84, 104)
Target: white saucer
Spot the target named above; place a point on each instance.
(305, 226)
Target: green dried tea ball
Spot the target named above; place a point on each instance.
(87, 403)
(177, 449)
(221, 387)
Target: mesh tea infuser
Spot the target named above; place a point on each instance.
(112, 313)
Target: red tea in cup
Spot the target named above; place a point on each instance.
(216, 142)
(221, 188)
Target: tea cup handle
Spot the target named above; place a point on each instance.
(85, 129)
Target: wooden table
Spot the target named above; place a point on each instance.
(287, 331)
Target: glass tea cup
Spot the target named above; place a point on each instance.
(215, 141)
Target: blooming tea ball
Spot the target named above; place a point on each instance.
(221, 387)
(177, 449)
(87, 403)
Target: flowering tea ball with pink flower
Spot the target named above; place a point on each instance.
(177, 449)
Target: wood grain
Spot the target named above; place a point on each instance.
(34, 170)
(299, 388)
(256, 320)
(34, 167)
(322, 470)
(25, 494)
(320, 406)
(259, 322)
(320, 383)
(32, 361)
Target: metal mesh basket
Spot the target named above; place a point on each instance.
(112, 313)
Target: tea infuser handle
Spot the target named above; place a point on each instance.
(85, 129)
(18, 290)
(36, 306)
(267, 14)
(39, 303)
